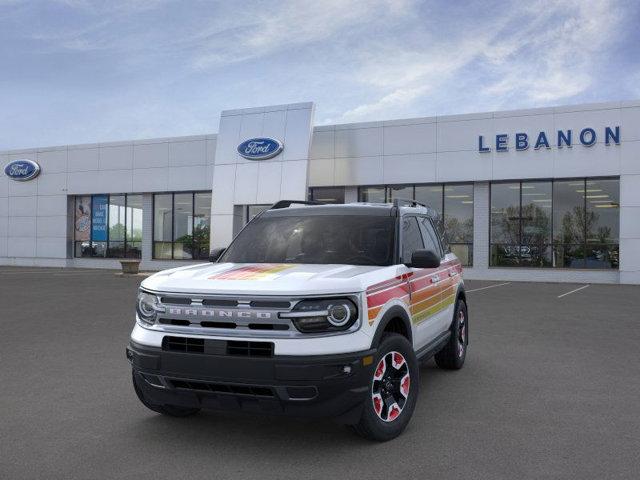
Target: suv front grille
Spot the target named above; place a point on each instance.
(227, 325)
(228, 315)
(236, 315)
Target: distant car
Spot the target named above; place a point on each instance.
(313, 310)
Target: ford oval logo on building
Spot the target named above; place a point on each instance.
(260, 148)
(22, 170)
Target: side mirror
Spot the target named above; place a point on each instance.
(215, 254)
(424, 259)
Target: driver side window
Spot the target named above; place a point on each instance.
(411, 238)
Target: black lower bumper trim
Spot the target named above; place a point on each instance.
(310, 386)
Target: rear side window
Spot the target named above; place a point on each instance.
(430, 236)
(411, 238)
(439, 229)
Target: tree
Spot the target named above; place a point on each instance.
(116, 232)
(199, 238)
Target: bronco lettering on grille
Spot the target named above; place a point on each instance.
(211, 312)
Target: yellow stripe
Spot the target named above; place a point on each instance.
(431, 297)
(424, 314)
(269, 272)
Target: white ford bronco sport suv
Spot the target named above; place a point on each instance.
(313, 310)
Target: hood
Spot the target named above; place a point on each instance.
(264, 279)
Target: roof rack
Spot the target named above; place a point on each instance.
(288, 203)
(402, 202)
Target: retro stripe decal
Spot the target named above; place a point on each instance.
(262, 271)
(417, 291)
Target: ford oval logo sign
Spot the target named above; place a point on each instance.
(260, 148)
(22, 170)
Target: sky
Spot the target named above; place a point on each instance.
(80, 71)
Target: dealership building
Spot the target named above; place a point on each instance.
(548, 194)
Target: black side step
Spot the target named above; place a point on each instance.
(433, 347)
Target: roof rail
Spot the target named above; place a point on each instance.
(402, 202)
(288, 203)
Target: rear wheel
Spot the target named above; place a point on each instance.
(452, 356)
(393, 391)
(170, 410)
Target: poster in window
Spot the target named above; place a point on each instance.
(99, 214)
(83, 219)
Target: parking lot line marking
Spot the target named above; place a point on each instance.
(488, 286)
(573, 291)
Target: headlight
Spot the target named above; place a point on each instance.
(326, 315)
(147, 307)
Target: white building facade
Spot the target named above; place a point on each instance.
(549, 194)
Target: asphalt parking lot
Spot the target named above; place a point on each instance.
(551, 389)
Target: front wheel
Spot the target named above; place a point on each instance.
(452, 356)
(393, 391)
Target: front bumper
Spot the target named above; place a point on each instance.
(305, 386)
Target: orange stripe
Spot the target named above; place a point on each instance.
(419, 306)
(373, 312)
(251, 272)
(426, 293)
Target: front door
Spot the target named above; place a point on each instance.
(445, 277)
(424, 291)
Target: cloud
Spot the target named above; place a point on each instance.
(285, 26)
(555, 63)
(398, 98)
(125, 69)
(407, 76)
(541, 53)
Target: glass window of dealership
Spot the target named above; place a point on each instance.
(111, 226)
(108, 226)
(181, 225)
(568, 223)
(562, 223)
(452, 202)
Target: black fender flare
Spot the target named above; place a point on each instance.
(395, 311)
(461, 295)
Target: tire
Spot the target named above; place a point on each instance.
(170, 410)
(398, 380)
(453, 354)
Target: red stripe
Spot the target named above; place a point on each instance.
(398, 287)
(242, 271)
(381, 298)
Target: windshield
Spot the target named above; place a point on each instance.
(324, 239)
